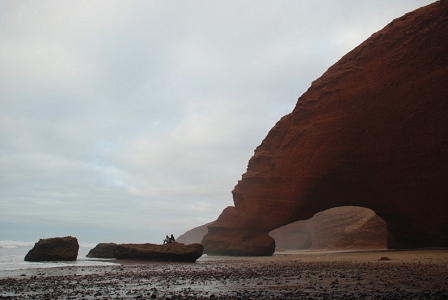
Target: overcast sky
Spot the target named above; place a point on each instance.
(125, 121)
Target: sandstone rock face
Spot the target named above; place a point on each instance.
(169, 252)
(371, 132)
(54, 249)
(236, 233)
(338, 228)
(348, 228)
(102, 250)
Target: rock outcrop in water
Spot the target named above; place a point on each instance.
(371, 132)
(54, 249)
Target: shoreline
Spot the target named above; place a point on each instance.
(408, 274)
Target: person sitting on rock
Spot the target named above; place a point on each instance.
(172, 238)
(166, 240)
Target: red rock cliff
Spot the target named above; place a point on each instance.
(371, 132)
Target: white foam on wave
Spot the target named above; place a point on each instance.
(9, 244)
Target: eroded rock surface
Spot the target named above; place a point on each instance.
(347, 228)
(338, 228)
(173, 251)
(54, 249)
(371, 132)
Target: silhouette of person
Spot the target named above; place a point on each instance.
(166, 240)
(172, 238)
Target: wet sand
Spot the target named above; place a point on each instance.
(417, 274)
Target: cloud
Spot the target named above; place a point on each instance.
(124, 121)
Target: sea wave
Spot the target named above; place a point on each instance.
(9, 244)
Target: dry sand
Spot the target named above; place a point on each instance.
(417, 274)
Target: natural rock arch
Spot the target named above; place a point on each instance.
(371, 132)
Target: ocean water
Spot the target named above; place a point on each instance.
(12, 254)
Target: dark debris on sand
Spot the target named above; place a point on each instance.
(239, 279)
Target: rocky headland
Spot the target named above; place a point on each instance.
(372, 132)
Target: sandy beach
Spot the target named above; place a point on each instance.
(416, 274)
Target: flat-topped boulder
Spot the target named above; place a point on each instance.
(102, 250)
(169, 252)
(54, 249)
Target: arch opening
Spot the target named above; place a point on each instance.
(338, 228)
